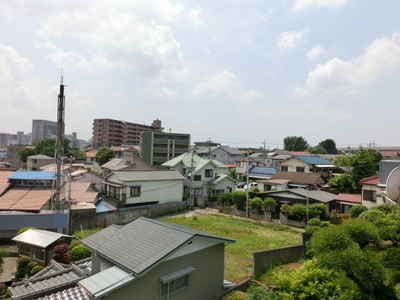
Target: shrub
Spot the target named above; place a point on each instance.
(317, 209)
(225, 199)
(311, 229)
(239, 198)
(314, 222)
(74, 244)
(356, 210)
(262, 293)
(235, 295)
(298, 212)
(80, 252)
(256, 205)
(329, 238)
(362, 231)
(375, 216)
(23, 262)
(335, 217)
(269, 204)
(61, 254)
(391, 258)
(20, 273)
(30, 266)
(36, 270)
(325, 223)
(285, 209)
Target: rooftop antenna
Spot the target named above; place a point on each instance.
(56, 197)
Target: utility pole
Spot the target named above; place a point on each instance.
(56, 192)
(247, 184)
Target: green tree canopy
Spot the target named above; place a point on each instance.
(329, 145)
(295, 143)
(24, 153)
(103, 155)
(317, 150)
(48, 147)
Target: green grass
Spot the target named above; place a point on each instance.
(250, 236)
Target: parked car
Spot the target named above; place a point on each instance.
(240, 185)
(252, 185)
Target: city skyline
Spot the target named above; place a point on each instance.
(239, 74)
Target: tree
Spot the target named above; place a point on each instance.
(103, 155)
(362, 232)
(232, 173)
(239, 199)
(295, 143)
(316, 150)
(24, 153)
(329, 145)
(48, 147)
(61, 254)
(342, 183)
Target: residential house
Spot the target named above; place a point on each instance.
(344, 202)
(56, 278)
(129, 161)
(39, 244)
(309, 181)
(261, 172)
(142, 187)
(204, 178)
(120, 151)
(308, 164)
(224, 155)
(164, 261)
(244, 164)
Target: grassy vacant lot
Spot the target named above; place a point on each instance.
(250, 236)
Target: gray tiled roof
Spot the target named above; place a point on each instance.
(74, 293)
(51, 279)
(148, 241)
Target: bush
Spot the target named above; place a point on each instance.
(268, 204)
(23, 262)
(362, 231)
(317, 209)
(298, 212)
(80, 252)
(285, 209)
(30, 266)
(61, 254)
(262, 293)
(20, 273)
(314, 222)
(329, 238)
(256, 205)
(335, 217)
(235, 295)
(36, 270)
(239, 198)
(225, 199)
(74, 244)
(325, 223)
(356, 210)
(311, 229)
(391, 258)
(375, 216)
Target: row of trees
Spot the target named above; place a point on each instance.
(298, 143)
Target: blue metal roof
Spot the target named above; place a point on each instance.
(261, 171)
(33, 175)
(313, 160)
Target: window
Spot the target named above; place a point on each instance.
(135, 191)
(175, 283)
(198, 192)
(197, 178)
(284, 168)
(369, 195)
(299, 169)
(209, 172)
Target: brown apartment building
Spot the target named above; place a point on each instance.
(109, 132)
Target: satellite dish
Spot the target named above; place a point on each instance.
(393, 185)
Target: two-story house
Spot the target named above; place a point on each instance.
(308, 164)
(204, 178)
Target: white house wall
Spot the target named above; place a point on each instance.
(292, 163)
(162, 191)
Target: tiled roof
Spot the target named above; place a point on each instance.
(313, 160)
(372, 180)
(4, 182)
(274, 181)
(298, 177)
(349, 198)
(262, 171)
(219, 178)
(82, 192)
(318, 195)
(53, 278)
(25, 198)
(149, 242)
(74, 293)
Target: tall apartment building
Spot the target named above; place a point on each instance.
(108, 132)
(43, 129)
(159, 147)
(9, 139)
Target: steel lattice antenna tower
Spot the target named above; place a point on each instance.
(57, 187)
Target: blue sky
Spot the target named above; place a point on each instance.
(236, 72)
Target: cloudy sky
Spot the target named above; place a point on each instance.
(237, 72)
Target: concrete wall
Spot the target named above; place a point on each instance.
(126, 215)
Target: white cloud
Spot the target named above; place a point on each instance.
(195, 16)
(305, 4)
(382, 57)
(290, 39)
(315, 52)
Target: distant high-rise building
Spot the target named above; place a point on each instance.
(43, 129)
(109, 132)
(9, 139)
(158, 147)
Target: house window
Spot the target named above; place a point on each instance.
(135, 191)
(198, 192)
(175, 283)
(209, 172)
(197, 178)
(284, 168)
(299, 169)
(369, 195)
(217, 192)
